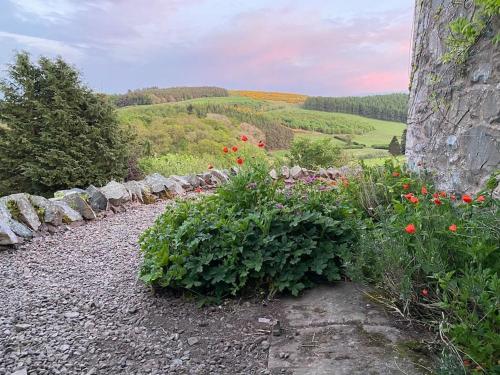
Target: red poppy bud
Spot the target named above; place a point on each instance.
(225, 150)
(261, 144)
(442, 194)
(453, 198)
(408, 196)
(234, 148)
(467, 198)
(435, 195)
(424, 190)
(437, 201)
(406, 186)
(453, 227)
(410, 229)
(424, 292)
(239, 161)
(413, 199)
(395, 174)
(480, 198)
(244, 138)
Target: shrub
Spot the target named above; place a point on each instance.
(59, 134)
(252, 234)
(433, 256)
(316, 153)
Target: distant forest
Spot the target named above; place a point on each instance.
(155, 95)
(391, 107)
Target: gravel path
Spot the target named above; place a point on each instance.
(71, 303)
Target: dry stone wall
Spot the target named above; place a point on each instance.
(454, 109)
(23, 216)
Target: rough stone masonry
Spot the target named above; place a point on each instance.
(454, 109)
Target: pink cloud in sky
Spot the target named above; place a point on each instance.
(368, 54)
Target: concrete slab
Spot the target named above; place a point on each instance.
(335, 330)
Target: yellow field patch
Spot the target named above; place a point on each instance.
(275, 96)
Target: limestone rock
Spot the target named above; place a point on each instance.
(115, 193)
(158, 184)
(155, 182)
(195, 181)
(69, 214)
(97, 199)
(7, 236)
(454, 112)
(273, 174)
(333, 173)
(24, 211)
(52, 214)
(295, 172)
(76, 201)
(62, 193)
(182, 180)
(219, 175)
(174, 187)
(322, 172)
(135, 189)
(285, 172)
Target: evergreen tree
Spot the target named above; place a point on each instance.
(59, 133)
(394, 147)
(403, 142)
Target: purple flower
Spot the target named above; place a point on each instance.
(279, 206)
(252, 186)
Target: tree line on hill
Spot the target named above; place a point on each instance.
(155, 95)
(390, 107)
(277, 135)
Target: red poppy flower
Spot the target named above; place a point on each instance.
(225, 150)
(261, 144)
(435, 195)
(453, 227)
(424, 190)
(239, 161)
(413, 199)
(406, 186)
(480, 198)
(408, 196)
(410, 229)
(467, 198)
(210, 166)
(234, 148)
(395, 174)
(244, 138)
(442, 194)
(437, 201)
(424, 292)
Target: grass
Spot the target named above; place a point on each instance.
(382, 133)
(173, 141)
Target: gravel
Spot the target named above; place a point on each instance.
(71, 303)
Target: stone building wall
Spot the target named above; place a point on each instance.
(454, 110)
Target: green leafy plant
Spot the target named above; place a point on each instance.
(253, 234)
(316, 153)
(433, 255)
(464, 32)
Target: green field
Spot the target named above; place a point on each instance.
(196, 130)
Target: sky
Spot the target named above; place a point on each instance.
(313, 47)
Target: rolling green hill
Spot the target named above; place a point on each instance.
(186, 136)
